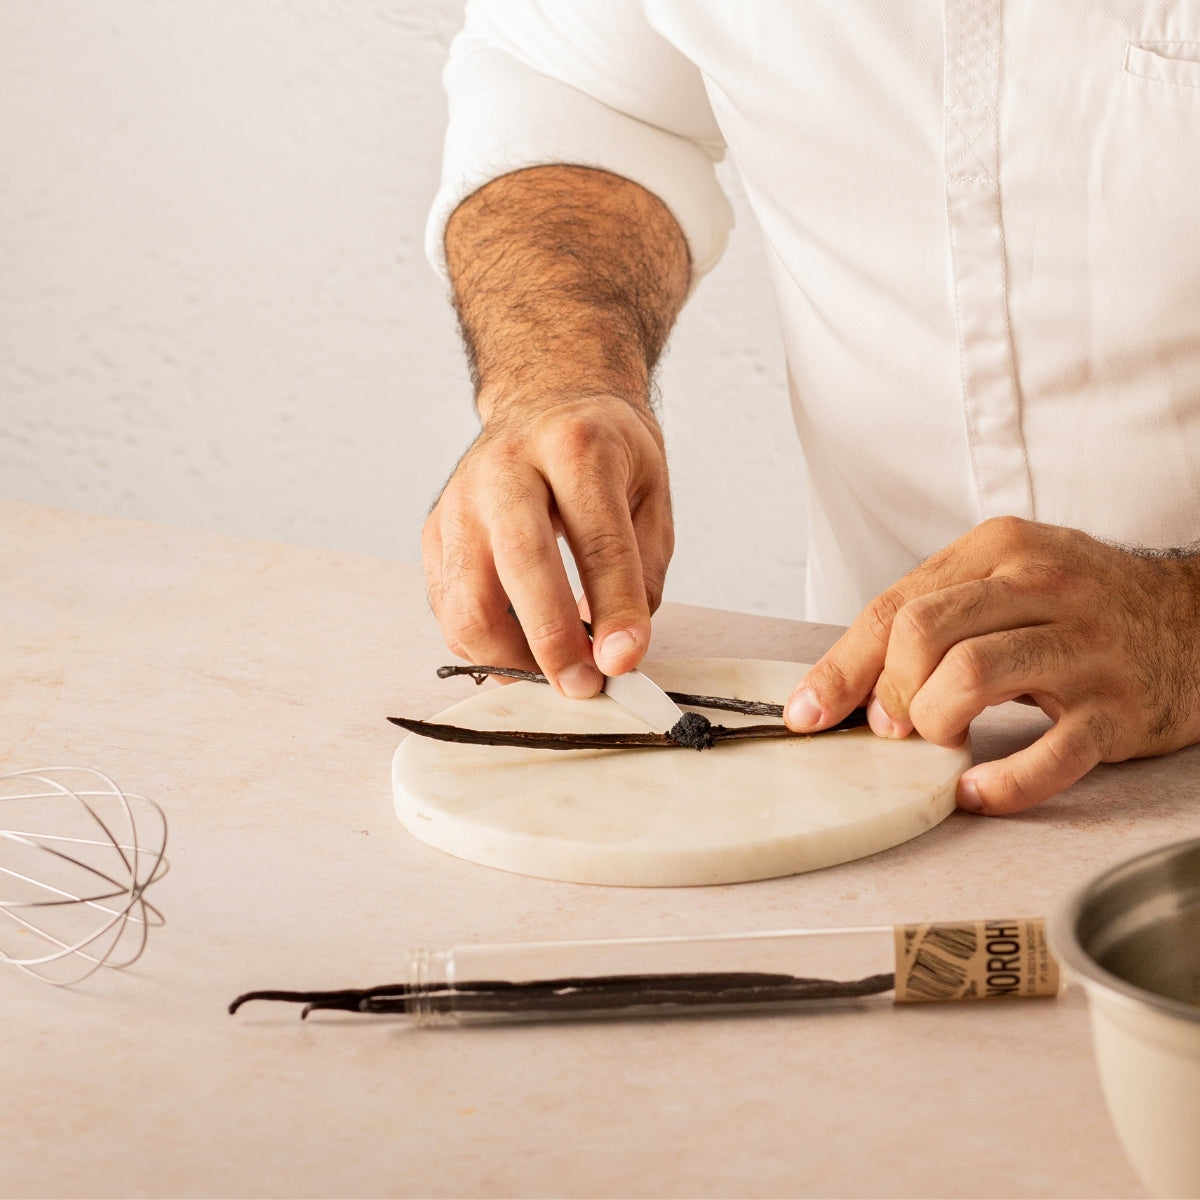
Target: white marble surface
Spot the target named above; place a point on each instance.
(742, 811)
(244, 686)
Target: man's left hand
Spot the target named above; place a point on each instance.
(1105, 640)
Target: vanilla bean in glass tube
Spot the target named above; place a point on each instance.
(723, 973)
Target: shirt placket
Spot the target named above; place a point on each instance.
(990, 394)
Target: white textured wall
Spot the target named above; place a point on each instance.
(214, 309)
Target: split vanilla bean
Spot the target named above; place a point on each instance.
(693, 732)
(539, 740)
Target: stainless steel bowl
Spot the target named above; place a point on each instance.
(1131, 937)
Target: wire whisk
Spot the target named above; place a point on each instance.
(76, 857)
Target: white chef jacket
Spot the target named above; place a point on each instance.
(982, 222)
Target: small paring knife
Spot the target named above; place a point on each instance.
(639, 694)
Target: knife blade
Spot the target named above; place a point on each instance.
(639, 694)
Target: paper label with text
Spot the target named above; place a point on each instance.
(974, 960)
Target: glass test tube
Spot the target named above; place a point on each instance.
(783, 970)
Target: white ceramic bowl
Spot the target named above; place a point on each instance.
(1131, 936)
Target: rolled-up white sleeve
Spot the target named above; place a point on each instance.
(532, 82)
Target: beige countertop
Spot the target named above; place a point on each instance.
(244, 686)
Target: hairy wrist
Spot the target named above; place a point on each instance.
(566, 282)
(511, 404)
(1168, 663)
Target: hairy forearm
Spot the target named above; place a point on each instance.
(567, 281)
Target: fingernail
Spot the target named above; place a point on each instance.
(879, 721)
(803, 711)
(580, 682)
(615, 647)
(968, 796)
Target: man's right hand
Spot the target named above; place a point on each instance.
(591, 469)
(566, 281)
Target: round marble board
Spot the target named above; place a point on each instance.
(658, 818)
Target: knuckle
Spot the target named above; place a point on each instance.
(1082, 743)
(943, 715)
(552, 630)
(971, 665)
(460, 562)
(1019, 783)
(1007, 532)
(966, 603)
(601, 551)
(450, 566)
(895, 703)
(581, 435)
(596, 445)
(831, 684)
(918, 621)
(1007, 792)
(880, 615)
(509, 490)
(448, 537)
(1053, 578)
(935, 721)
(520, 547)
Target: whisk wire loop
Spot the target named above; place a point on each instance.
(74, 901)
